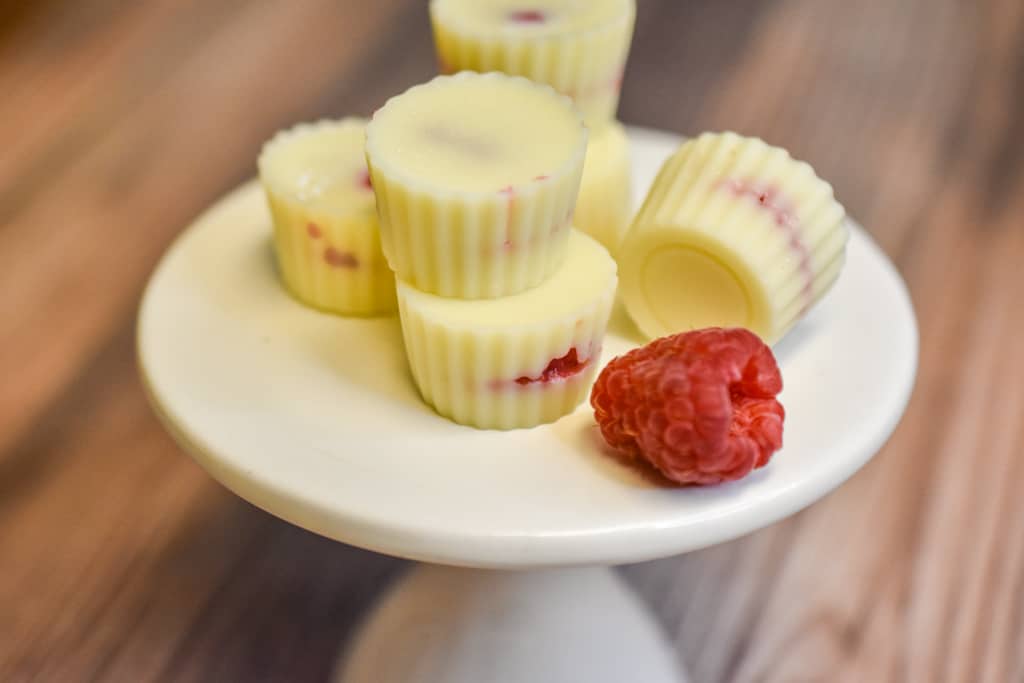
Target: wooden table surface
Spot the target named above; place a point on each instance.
(120, 560)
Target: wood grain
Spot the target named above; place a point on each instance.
(121, 561)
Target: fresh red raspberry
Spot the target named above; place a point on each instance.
(699, 406)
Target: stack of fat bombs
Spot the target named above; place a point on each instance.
(503, 304)
(459, 194)
(579, 47)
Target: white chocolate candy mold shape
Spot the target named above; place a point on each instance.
(519, 361)
(579, 47)
(734, 232)
(476, 177)
(326, 235)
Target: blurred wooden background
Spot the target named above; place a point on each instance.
(120, 560)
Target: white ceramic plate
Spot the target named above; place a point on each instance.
(314, 418)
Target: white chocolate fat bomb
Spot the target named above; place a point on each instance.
(604, 206)
(579, 47)
(734, 233)
(518, 361)
(326, 234)
(476, 177)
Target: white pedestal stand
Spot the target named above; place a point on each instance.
(313, 418)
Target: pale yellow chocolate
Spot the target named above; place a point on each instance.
(577, 46)
(489, 363)
(326, 233)
(604, 205)
(734, 233)
(476, 177)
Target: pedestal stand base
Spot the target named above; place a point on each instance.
(444, 625)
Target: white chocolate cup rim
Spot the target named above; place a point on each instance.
(381, 164)
(289, 135)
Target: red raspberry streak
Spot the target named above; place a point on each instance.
(559, 368)
(363, 180)
(699, 406)
(527, 16)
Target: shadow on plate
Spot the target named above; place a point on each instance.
(368, 351)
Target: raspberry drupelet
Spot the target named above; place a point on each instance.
(699, 406)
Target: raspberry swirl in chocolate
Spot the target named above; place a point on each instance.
(771, 199)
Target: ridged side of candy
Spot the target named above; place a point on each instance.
(769, 228)
(498, 371)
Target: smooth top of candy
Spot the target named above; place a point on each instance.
(587, 272)
(475, 133)
(321, 165)
(535, 17)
